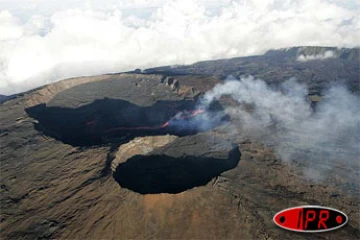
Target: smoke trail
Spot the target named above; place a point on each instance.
(318, 139)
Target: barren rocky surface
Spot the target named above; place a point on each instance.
(64, 175)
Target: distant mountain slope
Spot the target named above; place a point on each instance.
(314, 66)
(321, 65)
(350, 54)
(4, 98)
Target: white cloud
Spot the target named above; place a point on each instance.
(325, 55)
(10, 27)
(42, 43)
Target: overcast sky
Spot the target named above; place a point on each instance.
(42, 41)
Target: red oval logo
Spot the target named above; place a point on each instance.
(310, 219)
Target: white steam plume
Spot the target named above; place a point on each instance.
(283, 118)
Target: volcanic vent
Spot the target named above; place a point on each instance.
(119, 121)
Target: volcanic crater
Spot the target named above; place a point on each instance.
(119, 121)
(183, 164)
(167, 165)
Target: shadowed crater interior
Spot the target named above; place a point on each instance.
(119, 121)
(168, 174)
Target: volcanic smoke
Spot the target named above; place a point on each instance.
(319, 138)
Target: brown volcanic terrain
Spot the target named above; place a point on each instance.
(63, 176)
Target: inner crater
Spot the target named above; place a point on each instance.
(182, 164)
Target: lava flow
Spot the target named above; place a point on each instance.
(179, 116)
